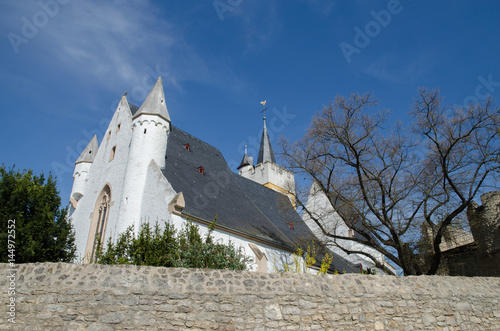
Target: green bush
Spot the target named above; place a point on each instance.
(171, 248)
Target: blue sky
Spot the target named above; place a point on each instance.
(66, 63)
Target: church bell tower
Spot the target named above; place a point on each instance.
(267, 172)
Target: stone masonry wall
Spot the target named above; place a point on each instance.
(95, 297)
(484, 223)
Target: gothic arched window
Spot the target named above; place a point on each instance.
(98, 224)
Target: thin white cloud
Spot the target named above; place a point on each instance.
(111, 43)
(259, 23)
(323, 7)
(262, 22)
(391, 68)
(116, 46)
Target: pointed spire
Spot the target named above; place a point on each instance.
(123, 104)
(155, 103)
(266, 153)
(246, 160)
(88, 154)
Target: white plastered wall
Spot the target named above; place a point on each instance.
(80, 179)
(270, 173)
(275, 257)
(321, 209)
(149, 142)
(158, 193)
(105, 171)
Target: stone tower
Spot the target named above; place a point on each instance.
(484, 223)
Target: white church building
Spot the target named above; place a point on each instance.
(147, 170)
(327, 212)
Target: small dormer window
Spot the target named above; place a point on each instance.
(201, 170)
(187, 147)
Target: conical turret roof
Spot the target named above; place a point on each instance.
(88, 154)
(155, 103)
(266, 153)
(124, 104)
(246, 160)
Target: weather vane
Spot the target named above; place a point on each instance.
(263, 103)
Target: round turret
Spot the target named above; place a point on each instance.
(82, 168)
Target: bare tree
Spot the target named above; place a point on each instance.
(387, 181)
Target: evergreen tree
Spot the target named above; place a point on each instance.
(32, 204)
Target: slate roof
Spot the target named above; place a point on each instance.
(88, 154)
(155, 102)
(133, 108)
(245, 161)
(240, 204)
(266, 153)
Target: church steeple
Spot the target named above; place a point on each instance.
(266, 153)
(266, 171)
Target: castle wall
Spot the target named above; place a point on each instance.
(484, 223)
(73, 296)
(460, 261)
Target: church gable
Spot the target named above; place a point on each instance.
(107, 169)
